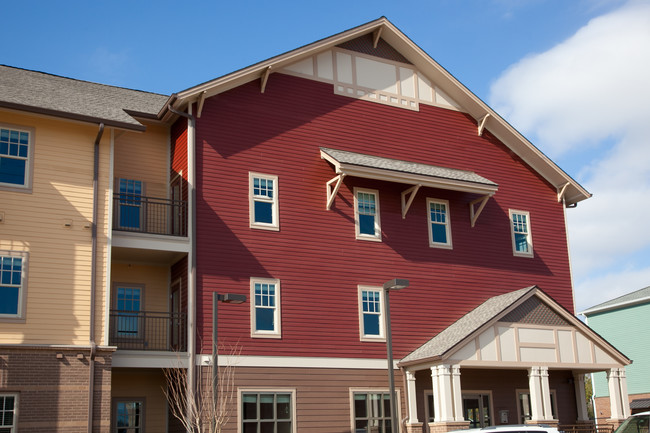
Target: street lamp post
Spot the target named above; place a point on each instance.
(228, 298)
(394, 284)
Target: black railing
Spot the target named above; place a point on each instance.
(136, 213)
(147, 330)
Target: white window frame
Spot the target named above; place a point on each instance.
(529, 235)
(242, 391)
(382, 332)
(357, 227)
(29, 161)
(12, 427)
(275, 213)
(353, 391)
(447, 224)
(277, 332)
(22, 288)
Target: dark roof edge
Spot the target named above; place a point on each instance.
(72, 116)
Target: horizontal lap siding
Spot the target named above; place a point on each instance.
(315, 253)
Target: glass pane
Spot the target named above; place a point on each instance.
(521, 242)
(263, 212)
(266, 406)
(250, 427)
(371, 324)
(367, 224)
(264, 319)
(267, 427)
(249, 406)
(360, 407)
(439, 233)
(283, 407)
(9, 300)
(284, 427)
(12, 171)
(375, 405)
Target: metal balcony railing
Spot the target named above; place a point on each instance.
(137, 213)
(147, 330)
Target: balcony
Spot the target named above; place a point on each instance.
(147, 330)
(149, 215)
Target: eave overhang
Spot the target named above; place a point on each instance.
(405, 172)
(486, 118)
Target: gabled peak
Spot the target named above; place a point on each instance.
(534, 312)
(366, 44)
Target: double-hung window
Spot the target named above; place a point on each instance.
(371, 320)
(265, 308)
(130, 205)
(13, 272)
(366, 214)
(522, 241)
(263, 207)
(128, 416)
(439, 225)
(16, 149)
(371, 412)
(271, 412)
(8, 412)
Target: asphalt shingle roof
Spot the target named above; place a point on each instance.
(363, 160)
(465, 326)
(638, 295)
(51, 94)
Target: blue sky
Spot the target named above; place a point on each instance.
(570, 75)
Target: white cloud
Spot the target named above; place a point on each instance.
(588, 99)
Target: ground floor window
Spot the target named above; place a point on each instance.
(8, 411)
(372, 412)
(267, 412)
(476, 410)
(129, 416)
(525, 410)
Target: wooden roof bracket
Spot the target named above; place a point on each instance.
(200, 103)
(375, 37)
(560, 194)
(331, 192)
(265, 78)
(481, 124)
(473, 214)
(407, 204)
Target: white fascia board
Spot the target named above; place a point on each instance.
(296, 362)
(149, 359)
(602, 309)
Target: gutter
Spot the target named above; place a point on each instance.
(93, 277)
(191, 261)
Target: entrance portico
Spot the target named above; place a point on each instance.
(516, 358)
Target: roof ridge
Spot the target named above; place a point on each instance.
(81, 81)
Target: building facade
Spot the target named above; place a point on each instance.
(304, 182)
(621, 321)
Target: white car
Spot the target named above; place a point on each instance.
(517, 428)
(637, 423)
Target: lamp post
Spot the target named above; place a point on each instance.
(228, 298)
(394, 284)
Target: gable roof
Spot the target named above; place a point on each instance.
(637, 297)
(382, 28)
(38, 92)
(492, 310)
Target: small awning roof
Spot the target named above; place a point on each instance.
(411, 173)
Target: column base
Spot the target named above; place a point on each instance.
(445, 426)
(414, 427)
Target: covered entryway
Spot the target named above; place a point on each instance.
(516, 358)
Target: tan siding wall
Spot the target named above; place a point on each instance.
(143, 384)
(144, 157)
(58, 287)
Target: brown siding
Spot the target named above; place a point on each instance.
(322, 395)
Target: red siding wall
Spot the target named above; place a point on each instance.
(315, 253)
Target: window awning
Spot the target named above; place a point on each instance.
(410, 173)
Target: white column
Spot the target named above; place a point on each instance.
(412, 401)
(581, 398)
(446, 394)
(457, 393)
(625, 400)
(535, 387)
(613, 383)
(436, 394)
(546, 393)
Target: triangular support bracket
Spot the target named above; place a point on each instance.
(265, 78)
(333, 190)
(481, 124)
(406, 204)
(474, 213)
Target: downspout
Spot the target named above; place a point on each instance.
(191, 262)
(93, 283)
